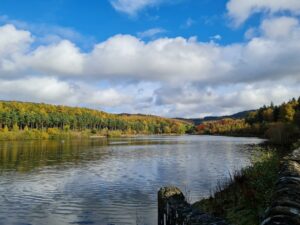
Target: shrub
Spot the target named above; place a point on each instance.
(114, 133)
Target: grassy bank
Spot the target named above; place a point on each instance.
(35, 134)
(55, 133)
(243, 199)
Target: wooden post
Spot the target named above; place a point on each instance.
(165, 210)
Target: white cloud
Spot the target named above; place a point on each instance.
(151, 33)
(52, 90)
(13, 40)
(169, 59)
(281, 27)
(108, 97)
(170, 76)
(132, 7)
(251, 33)
(49, 34)
(241, 10)
(216, 37)
(59, 58)
(222, 100)
(13, 43)
(187, 60)
(43, 89)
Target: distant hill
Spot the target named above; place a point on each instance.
(197, 121)
(180, 120)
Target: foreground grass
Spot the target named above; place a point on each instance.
(243, 199)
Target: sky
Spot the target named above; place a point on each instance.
(173, 58)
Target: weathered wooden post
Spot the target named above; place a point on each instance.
(166, 212)
(173, 209)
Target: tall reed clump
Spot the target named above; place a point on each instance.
(243, 198)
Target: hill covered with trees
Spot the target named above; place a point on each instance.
(20, 120)
(198, 121)
(280, 124)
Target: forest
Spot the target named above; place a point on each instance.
(19, 120)
(280, 124)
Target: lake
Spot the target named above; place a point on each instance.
(110, 181)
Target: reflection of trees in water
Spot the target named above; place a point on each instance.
(135, 205)
(24, 156)
(106, 181)
(27, 155)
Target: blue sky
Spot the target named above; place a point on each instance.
(100, 20)
(188, 58)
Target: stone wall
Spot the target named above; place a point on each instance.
(173, 209)
(285, 207)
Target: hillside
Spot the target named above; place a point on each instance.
(23, 116)
(198, 121)
(280, 124)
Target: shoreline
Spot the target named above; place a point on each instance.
(222, 194)
(244, 197)
(54, 133)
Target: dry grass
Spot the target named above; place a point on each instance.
(243, 198)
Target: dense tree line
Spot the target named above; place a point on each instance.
(287, 113)
(281, 124)
(24, 116)
(225, 126)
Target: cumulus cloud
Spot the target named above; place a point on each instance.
(222, 100)
(179, 59)
(241, 10)
(164, 59)
(168, 59)
(108, 97)
(13, 40)
(43, 89)
(281, 27)
(132, 7)
(46, 33)
(13, 43)
(52, 90)
(170, 76)
(59, 58)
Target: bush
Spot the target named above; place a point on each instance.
(53, 131)
(114, 133)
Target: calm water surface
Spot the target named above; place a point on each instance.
(109, 181)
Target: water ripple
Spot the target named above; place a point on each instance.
(109, 181)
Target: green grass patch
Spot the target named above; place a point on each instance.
(243, 198)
